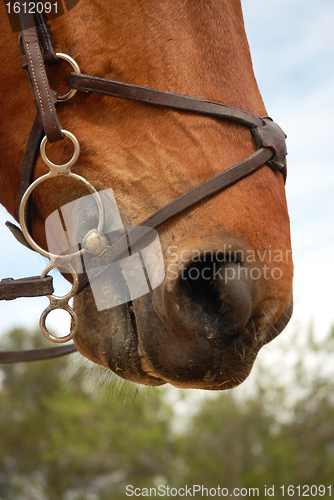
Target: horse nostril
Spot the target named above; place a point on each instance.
(220, 289)
(199, 282)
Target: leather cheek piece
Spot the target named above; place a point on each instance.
(33, 61)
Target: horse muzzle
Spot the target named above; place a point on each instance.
(205, 326)
(201, 328)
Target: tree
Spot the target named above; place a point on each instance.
(71, 432)
(279, 434)
(59, 435)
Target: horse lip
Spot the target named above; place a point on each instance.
(144, 364)
(211, 375)
(281, 323)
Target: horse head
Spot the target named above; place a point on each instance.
(225, 285)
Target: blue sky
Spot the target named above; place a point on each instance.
(292, 46)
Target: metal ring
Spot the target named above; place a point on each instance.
(61, 259)
(65, 166)
(53, 338)
(55, 171)
(73, 63)
(60, 303)
(75, 284)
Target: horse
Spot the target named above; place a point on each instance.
(227, 284)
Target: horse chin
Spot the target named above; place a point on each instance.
(136, 344)
(109, 338)
(197, 361)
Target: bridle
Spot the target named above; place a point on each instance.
(37, 51)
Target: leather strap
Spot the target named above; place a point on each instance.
(206, 189)
(7, 357)
(31, 154)
(17, 233)
(162, 98)
(34, 63)
(45, 38)
(35, 286)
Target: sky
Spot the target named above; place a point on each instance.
(292, 46)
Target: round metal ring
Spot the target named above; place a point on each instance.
(76, 69)
(61, 259)
(60, 303)
(65, 166)
(75, 284)
(55, 171)
(53, 338)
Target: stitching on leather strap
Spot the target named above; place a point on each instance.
(31, 48)
(44, 80)
(35, 79)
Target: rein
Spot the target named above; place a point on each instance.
(37, 51)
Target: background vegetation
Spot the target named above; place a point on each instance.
(70, 431)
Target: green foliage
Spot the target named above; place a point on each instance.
(66, 434)
(69, 431)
